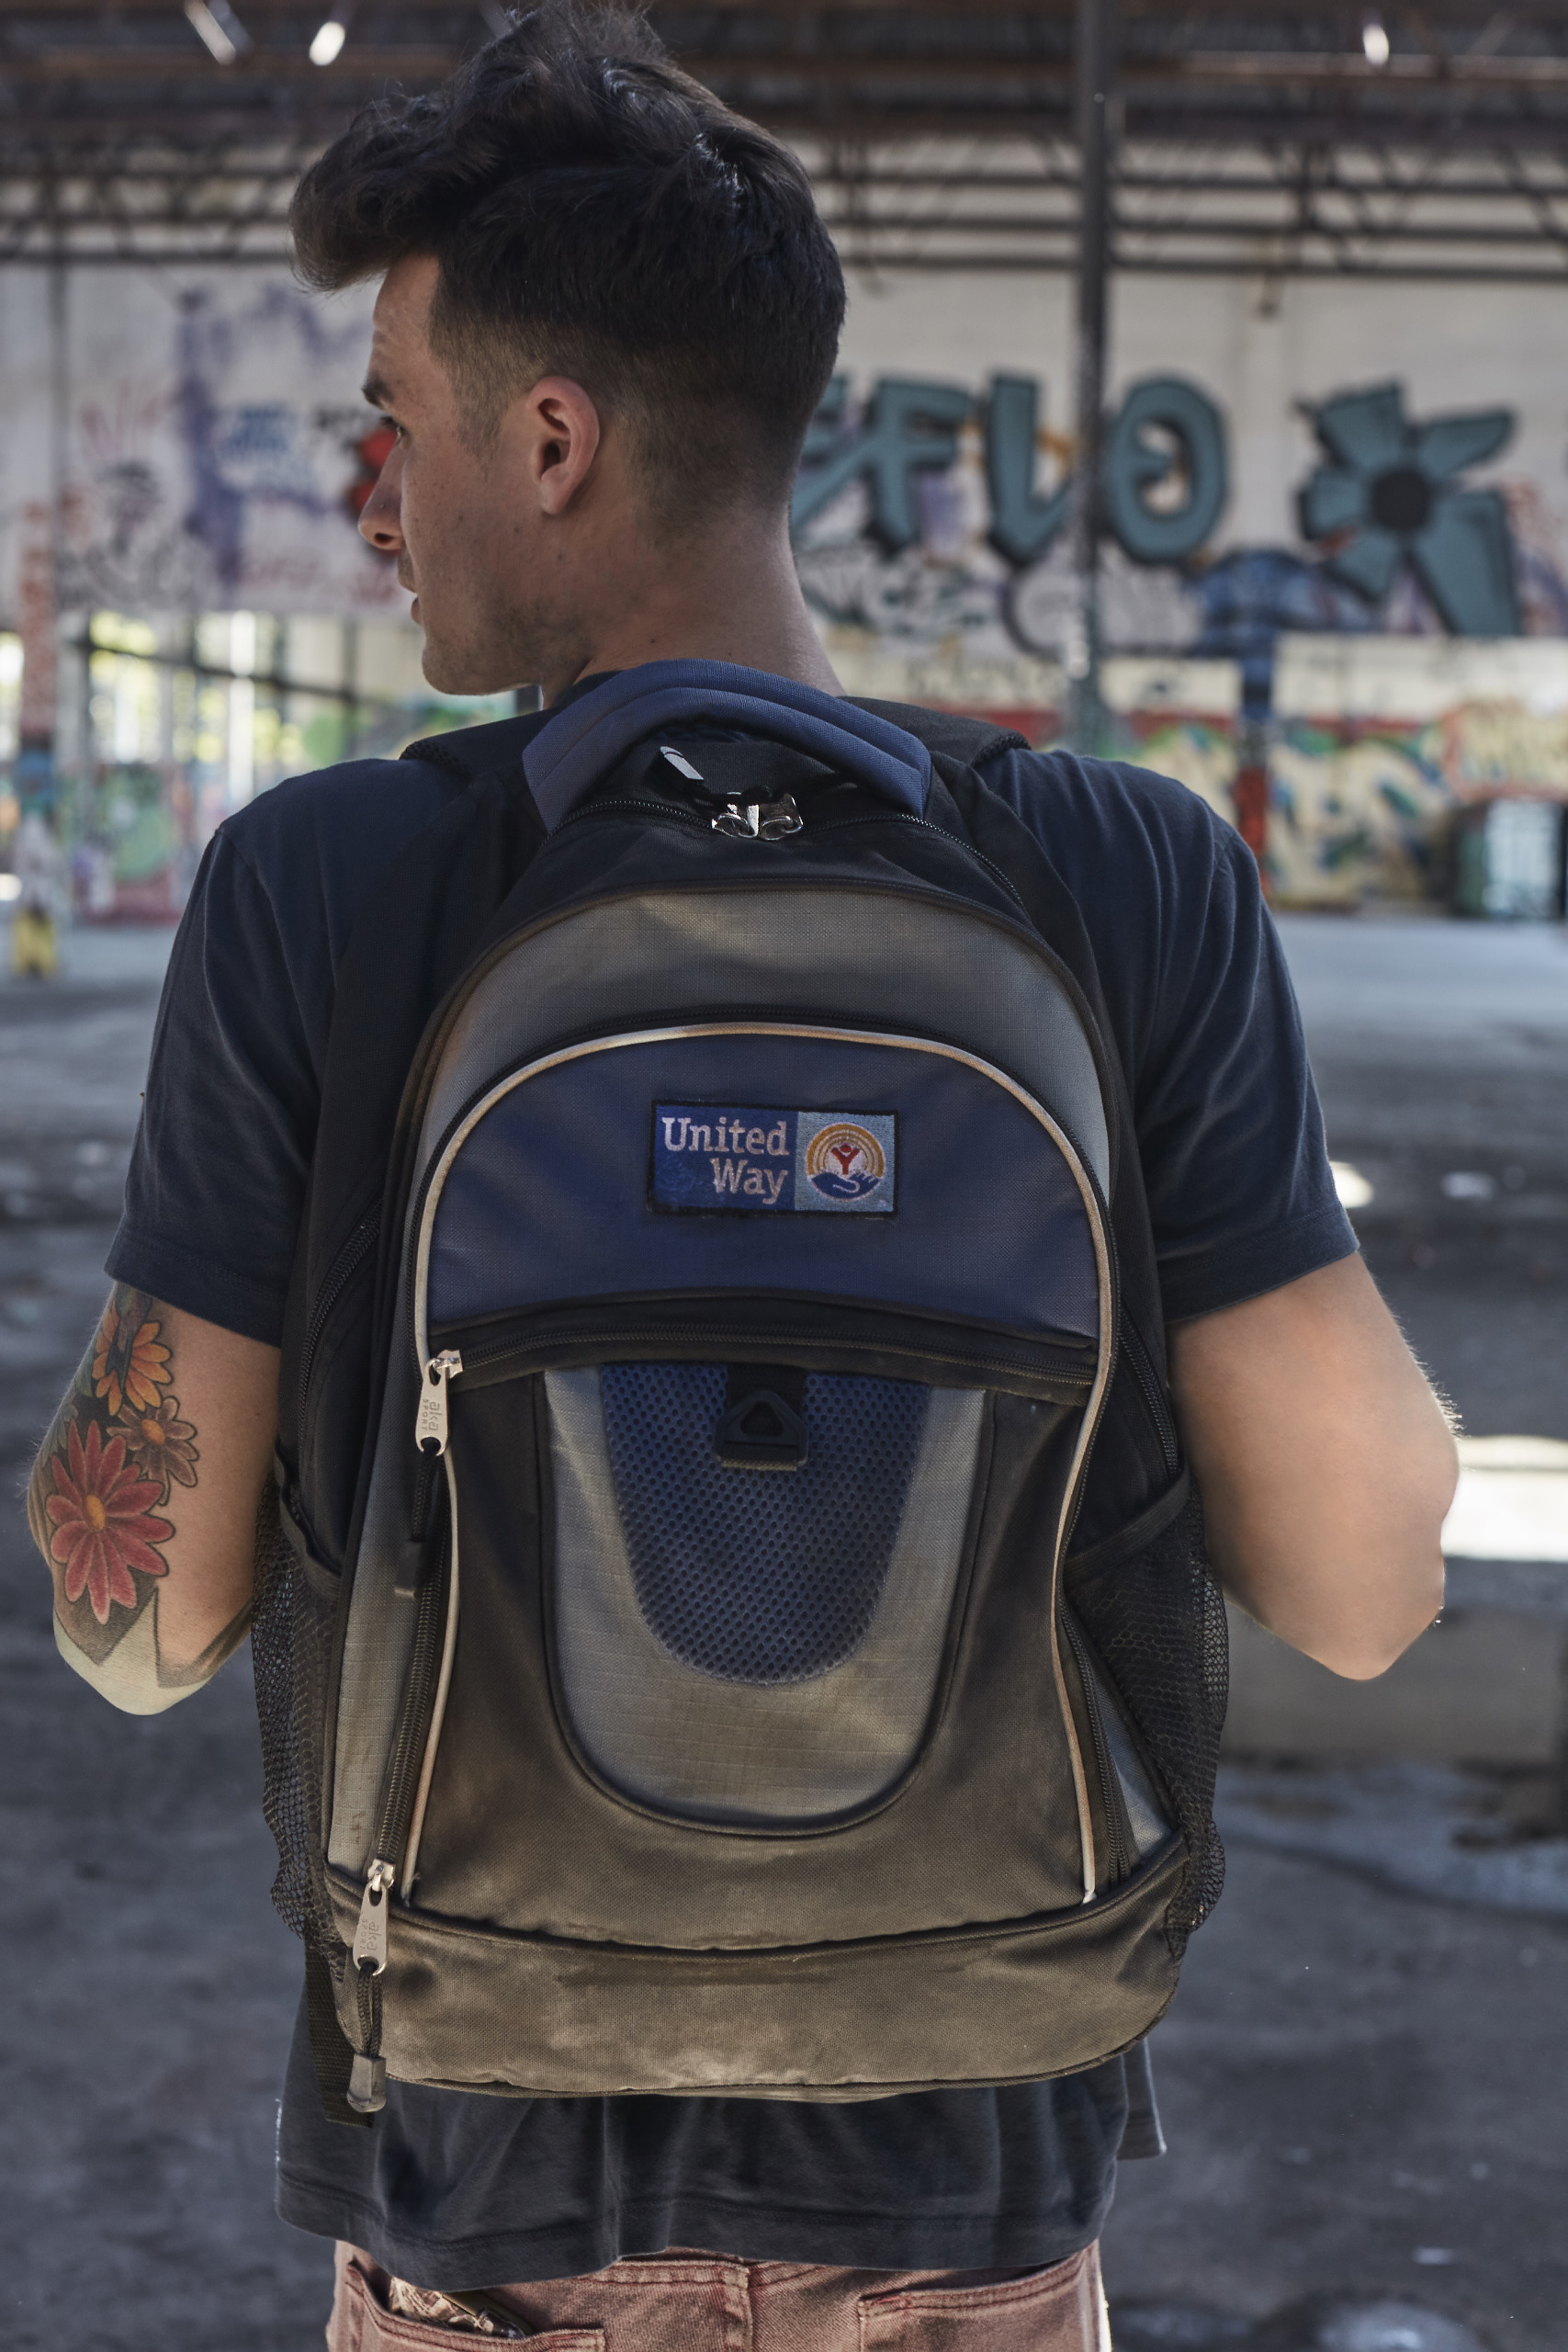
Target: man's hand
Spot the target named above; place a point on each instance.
(143, 1499)
(1327, 1466)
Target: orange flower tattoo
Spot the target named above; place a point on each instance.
(129, 1362)
(160, 1444)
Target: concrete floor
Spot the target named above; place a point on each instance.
(1363, 2089)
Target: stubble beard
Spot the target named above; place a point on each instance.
(525, 643)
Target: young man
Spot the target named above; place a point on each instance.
(607, 311)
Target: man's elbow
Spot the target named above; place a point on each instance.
(125, 1678)
(135, 1678)
(1360, 1652)
(1354, 1584)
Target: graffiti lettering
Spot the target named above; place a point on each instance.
(1135, 467)
(909, 427)
(1024, 524)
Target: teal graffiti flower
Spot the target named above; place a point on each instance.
(1388, 498)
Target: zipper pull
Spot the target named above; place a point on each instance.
(371, 1936)
(430, 1429)
(759, 820)
(367, 2085)
(779, 819)
(739, 822)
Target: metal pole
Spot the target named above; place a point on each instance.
(1095, 63)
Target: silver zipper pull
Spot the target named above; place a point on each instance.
(778, 819)
(370, 1935)
(430, 1429)
(759, 820)
(740, 820)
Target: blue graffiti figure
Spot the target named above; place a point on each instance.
(909, 427)
(1250, 596)
(1388, 498)
(1138, 465)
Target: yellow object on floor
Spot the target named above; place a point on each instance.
(35, 953)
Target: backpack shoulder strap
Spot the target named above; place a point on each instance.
(415, 933)
(1136, 1473)
(470, 752)
(948, 732)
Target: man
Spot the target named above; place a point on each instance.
(607, 311)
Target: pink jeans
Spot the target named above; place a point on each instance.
(704, 2302)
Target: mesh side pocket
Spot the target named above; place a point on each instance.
(291, 1634)
(1157, 1623)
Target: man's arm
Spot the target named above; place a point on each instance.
(1325, 1463)
(144, 1496)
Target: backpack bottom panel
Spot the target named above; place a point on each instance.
(521, 2015)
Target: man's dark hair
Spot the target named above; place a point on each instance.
(596, 213)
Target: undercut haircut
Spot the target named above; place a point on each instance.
(596, 213)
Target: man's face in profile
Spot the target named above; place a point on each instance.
(444, 507)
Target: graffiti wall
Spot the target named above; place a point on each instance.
(1357, 456)
(207, 437)
(1380, 743)
(1286, 462)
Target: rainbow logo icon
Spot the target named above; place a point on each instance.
(845, 1162)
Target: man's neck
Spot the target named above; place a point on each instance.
(735, 600)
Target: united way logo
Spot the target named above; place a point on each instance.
(845, 1162)
(763, 1160)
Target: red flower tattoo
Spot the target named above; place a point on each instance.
(102, 1529)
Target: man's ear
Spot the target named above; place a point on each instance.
(560, 430)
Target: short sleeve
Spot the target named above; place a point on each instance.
(1203, 1016)
(1230, 1135)
(216, 1186)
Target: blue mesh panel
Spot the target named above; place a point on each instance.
(759, 1576)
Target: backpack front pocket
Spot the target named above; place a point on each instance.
(745, 1642)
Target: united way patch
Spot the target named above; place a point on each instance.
(763, 1162)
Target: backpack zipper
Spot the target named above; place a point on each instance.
(1153, 1394)
(656, 812)
(430, 1434)
(652, 811)
(340, 1273)
(500, 1351)
(367, 2085)
(900, 817)
(1105, 1768)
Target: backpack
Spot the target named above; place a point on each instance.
(735, 1618)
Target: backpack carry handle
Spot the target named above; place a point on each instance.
(571, 752)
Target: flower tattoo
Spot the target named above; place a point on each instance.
(160, 1444)
(128, 1359)
(102, 1526)
(118, 1452)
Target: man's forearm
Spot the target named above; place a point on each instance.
(1325, 1463)
(134, 1506)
